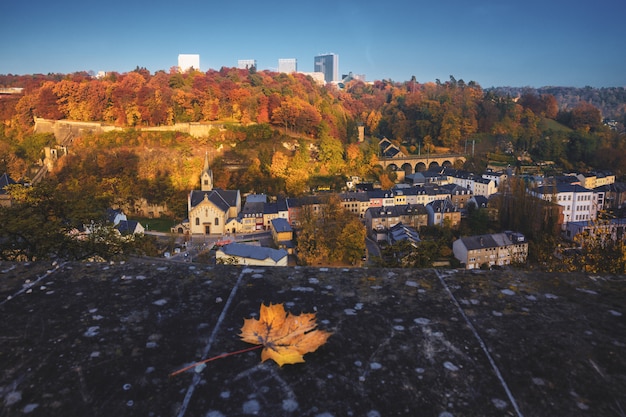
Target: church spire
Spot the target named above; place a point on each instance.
(206, 161)
(206, 178)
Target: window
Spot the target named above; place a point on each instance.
(197, 221)
(217, 221)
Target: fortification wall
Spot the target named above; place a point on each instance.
(65, 130)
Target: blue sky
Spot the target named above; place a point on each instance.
(492, 42)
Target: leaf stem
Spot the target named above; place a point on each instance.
(223, 355)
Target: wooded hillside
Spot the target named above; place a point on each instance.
(285, 133)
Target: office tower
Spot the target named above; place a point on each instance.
(246, 63)
(328, 64)
(287, 65)
(187, 61)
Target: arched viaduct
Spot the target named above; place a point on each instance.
(418, 163)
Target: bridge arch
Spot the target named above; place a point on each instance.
(422, 162)
(420, 167)
(407, 168)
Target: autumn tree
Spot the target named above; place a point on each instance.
(585, 117)
(331, 235)
(594, 248)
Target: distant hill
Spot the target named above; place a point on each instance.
(610, 101)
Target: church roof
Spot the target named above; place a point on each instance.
(224, 199)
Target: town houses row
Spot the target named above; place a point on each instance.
(434, 197)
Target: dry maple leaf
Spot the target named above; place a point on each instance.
(285, 337)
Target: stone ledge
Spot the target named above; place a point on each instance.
(101, 339)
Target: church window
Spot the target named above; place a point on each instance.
(197, 221)
(217, 221)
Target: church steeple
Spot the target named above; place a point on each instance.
(206, 178)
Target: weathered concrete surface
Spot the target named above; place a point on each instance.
(101, 340)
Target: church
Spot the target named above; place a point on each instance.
(212, 210)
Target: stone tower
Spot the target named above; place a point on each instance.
(206, 178)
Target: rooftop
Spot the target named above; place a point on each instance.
(101, 339)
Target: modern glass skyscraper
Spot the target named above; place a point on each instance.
(328, 64)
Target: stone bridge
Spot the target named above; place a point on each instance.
(417, 163)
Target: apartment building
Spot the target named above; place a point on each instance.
(579, 203)
(496, 249)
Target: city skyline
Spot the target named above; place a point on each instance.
(532, 43)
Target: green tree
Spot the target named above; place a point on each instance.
(46, 223)
(331, 155)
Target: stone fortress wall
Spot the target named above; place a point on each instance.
(66, 130)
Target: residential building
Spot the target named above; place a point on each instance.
(497, 176)
(615, 228)
(115, 216)
(242, 254)
(579, 203)
(295, 206)
(443, 212)
(416, 178)
(271, 211)
(379, 218)
(356, 202)
(130, 227)
(388, 150)
(436, 177)
(401, 232)
(188, 61)
(458, 195)
(399, 197)
(381, 198)
(478, 201)
(614, 195)
(328, 64)
(287, 65)
(251, 215)
(282, 234)
(593, 180)
(496, 249)
(484, 186)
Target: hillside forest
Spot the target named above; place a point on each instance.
(285, 135)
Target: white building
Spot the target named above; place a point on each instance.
(241, 254)
(484, 187)
(188, 61)
(318, 77)
(579, 203)
(287, 65)
(246, 63)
